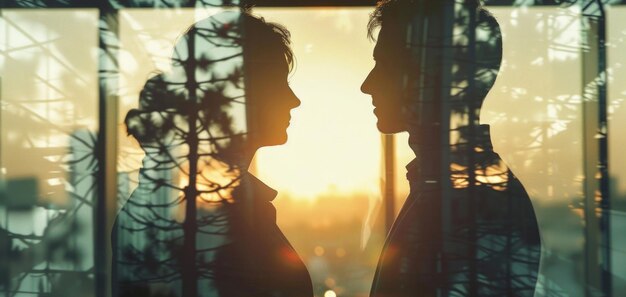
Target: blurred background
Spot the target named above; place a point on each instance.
(69, 72)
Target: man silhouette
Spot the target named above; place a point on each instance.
(468, 227)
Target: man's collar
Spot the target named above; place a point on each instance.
(482, 140)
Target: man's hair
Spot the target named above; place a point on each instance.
(401, 11)
(488, 50)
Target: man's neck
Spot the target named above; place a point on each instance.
(429, 149)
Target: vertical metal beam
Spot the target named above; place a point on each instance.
(389, 195)
(472, 108)
(105, 206)
(603, 165)
(430, 95)
(6, 245)
(596, 185)
(449, 16)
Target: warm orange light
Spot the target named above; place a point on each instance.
(496, 176)
(333, 145)
(215, 182)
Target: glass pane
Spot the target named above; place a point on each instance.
(342, 262)
(535, 113)
(49, 118)
(330, 175)
(617, 120)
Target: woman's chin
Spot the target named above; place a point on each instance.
(280, 140)
(272, 140)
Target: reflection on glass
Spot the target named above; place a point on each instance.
(535, 111)
(327, 175)
(198, 224)
(48, 120)
(617, 119)
(468, 227)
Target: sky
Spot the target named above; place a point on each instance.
(333, 141)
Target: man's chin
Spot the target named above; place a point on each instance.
(390, 128)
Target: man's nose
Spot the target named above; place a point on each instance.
(366, 86)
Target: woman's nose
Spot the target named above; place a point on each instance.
(294, 101)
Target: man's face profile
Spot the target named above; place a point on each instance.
(385, 81)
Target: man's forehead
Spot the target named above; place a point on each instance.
(390, 41)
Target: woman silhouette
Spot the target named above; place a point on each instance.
(199, 224)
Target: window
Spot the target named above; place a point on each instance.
(68, 78)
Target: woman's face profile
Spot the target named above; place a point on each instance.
(270, 99)
(226, 93)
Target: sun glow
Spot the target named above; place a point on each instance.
(215, 182)
(333, 144)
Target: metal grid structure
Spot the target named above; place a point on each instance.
(86, 171)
